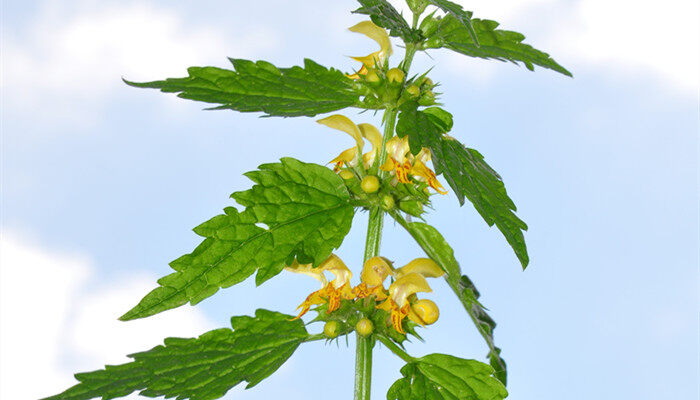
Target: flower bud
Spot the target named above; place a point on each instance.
(395, 75)
(427, 99)
(346, 174)
(413, 91)
(331, 329)
(372, 76)
(388, 202)
(364, 327)
(426, 310)
(370, 184)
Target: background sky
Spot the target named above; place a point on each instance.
(102, 183)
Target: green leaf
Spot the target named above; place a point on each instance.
(202, 368)
(459, 14)
(445, 377)
(465, 171)
(450, 32)
(307, 213)
(260, 86)
(385, 15)
(469, 296)
(437, 248)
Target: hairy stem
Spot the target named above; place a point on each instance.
(363, 350)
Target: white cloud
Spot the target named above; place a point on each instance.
(67, 63)
(624, 38)
(55, 322)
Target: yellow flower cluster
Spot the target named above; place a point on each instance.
(399, 300)
(399, 161)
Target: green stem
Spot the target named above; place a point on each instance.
(363, 350)
(396, 349)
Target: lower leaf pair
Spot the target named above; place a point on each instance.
(207, 367)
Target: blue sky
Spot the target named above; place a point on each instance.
(102, 183)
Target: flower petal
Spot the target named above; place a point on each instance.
(375, 271)
(423, 266)
(343, 123)
(376, 33)
(407, 285)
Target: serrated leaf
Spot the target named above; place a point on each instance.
(262, 87)
(202, 368)
(492, 43)
(385, 15)
(465, 171)
(460, 15)
(445, 377)
(437, 248)
(307, 211)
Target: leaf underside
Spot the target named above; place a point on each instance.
(306, 211)
(383, 14)
(459, 14)
(437, 248)
(492, 43)
(445, 377)
(202, 368)
(465, 171)
(262, 87)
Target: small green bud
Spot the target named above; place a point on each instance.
(372, 76)
(413, 91)
(388, 202)
(427, 99)
(364, 327)
(395, 75)
(427, 82)
(370, 184)
(331, 329)
(346, 174)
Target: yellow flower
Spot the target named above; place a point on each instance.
(411, 280)
(397, 304)
(422, 172)
(403, 164)
(358, 132)
(396, 149)
(379, 35)
(331, 292)
(373, 275)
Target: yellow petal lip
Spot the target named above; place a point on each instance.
(376, 33)
(337, 267)
(375, 271)
(371, 133)
(407, 285)
(344, 124)
(332, 264)
(423, 266)
(424, 312)
(308, 270)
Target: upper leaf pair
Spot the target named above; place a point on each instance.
(459, 32)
